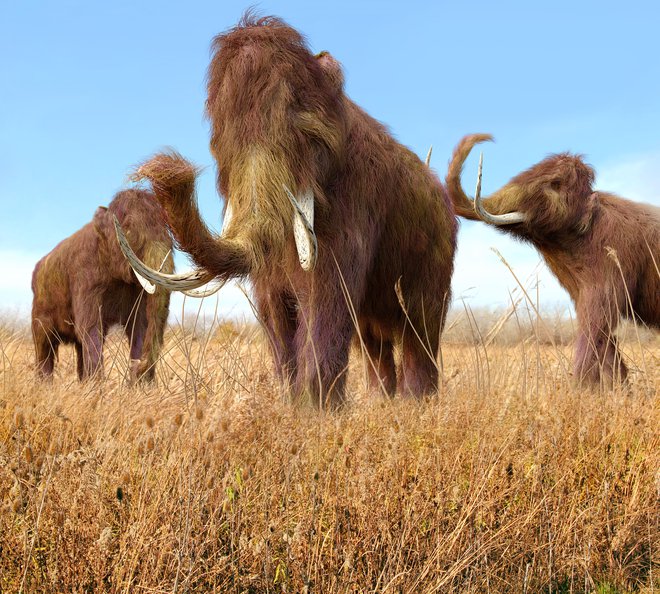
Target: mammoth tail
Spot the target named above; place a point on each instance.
(462, 204)
(173, 181)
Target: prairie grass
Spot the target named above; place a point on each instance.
(510, 480)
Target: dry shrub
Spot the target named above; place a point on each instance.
(509, 481)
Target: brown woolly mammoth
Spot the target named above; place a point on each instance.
(341, 230)
(84, 286)
(603, 249)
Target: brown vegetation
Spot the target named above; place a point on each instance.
(510, 480)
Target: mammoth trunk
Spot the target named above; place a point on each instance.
(173, 182)
(463, 206)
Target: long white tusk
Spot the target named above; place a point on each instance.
(146, 285)
(227, 219)
(201, 293)
(303, 228)
(509, 218)
(172, 282)
(428, 156)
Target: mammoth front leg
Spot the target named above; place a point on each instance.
(45, 346)
(597, 356)
(91, 347)
(279, 317)
(325, 331)
(147, 335)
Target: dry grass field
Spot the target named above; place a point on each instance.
(510, 480)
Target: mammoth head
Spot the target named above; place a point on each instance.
(552, 199)
(278, 119)
(145, 233)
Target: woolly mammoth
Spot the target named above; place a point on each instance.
(84, 286)
(603, 249)
(325, 213)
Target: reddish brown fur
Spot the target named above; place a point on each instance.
(85, 285)
(575, 230)
(279, 116)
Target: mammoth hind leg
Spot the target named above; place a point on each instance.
(378, 359)
(419, 369)
(80, 365)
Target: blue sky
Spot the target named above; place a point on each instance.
(88, 90)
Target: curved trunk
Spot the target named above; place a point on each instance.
(173, 182)
(463, 206)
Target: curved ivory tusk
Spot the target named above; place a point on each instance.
(303, 228)
(428, 156)
(226, 220)
(506, 219)
(146, 285)
(172, 282)
(201, 293)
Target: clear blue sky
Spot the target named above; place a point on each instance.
(89, 89)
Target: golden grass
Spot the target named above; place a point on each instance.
(509, 481)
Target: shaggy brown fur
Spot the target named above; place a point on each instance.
(603, 249)
(85, 285)
(279, 116)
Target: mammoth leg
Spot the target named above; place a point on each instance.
(147, 337)
(280, 320)
(381, 371)
(45, 346)
(597, 356)
(326, 329)
(80, 365)
(419, 369)
(91, 341)
(420, 342)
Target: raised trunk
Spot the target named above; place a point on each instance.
(173, 182)
(463, 206)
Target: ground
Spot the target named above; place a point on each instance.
(508, 480)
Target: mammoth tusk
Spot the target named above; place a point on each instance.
(226, 220)
(506, 219)
(303, 228)
(172, 282)
(146, 285)
(428, 156)
(201, 293)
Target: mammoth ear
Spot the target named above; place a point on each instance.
(100, 221)
(332, 70)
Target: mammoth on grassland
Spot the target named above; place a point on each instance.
(603, 249)
(327, 214)
(85, 285)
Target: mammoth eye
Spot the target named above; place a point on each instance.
(555, 185)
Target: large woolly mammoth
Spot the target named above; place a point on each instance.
(603, 249)
(85, 285)
(329, 217)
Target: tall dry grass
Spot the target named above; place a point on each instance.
(509, 480)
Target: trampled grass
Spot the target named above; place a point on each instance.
(510, 480)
